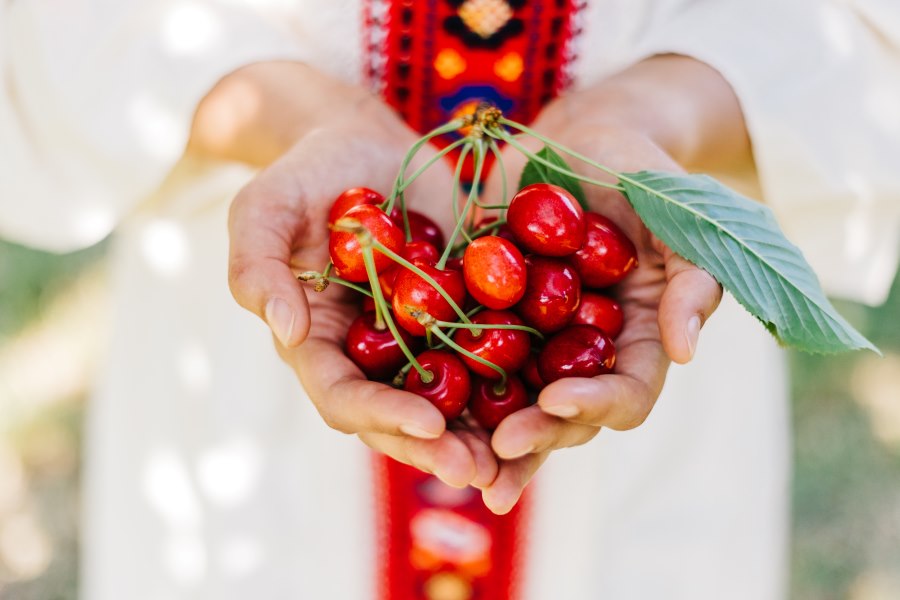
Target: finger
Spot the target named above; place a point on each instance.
(259, 259)
(502, 495)
(486, 466)
(350, 403)
(531, 431)
(448, 458)
(620, 401)
(690, 297)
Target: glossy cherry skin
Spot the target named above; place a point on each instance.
(552, 294)
(547, 220)
(490, 407)
(345, 250)
(607, 255)
(600, 311)
(502, 231)
(421, 228)
(530, 374)
(412, 293)
(413, 251)
(375, 352)
(494, 270)
(577, 351)
(449, 390)
(349, 199)
(506, 348)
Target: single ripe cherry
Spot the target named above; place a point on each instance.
(414, 294)
(455, 263)
(492, 402)
(368, 303)
(346, 252)
(577, 351)
(421, 228)
(600, 311)
(506, 348)
(349, 199)
(450, 387)
(547, 220)
(375, 351)
(494, 270)
(413, 251)
(530, 374)
(607, 255)
(552, 294)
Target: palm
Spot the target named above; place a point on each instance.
(287, 204)
(658, 300)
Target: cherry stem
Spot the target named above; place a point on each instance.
(449, 127)
(504, 135)
(449, 341)
(504, 201)
(478, 326)
(456, 177)
(473, 193)
(382, 311)
(428, 278)
(350, 285)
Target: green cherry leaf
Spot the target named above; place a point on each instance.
(739, 242)
(535, 172)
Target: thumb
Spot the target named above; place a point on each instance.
(259, 265)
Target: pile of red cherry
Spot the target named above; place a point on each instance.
(528, 286)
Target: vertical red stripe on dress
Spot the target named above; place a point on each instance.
(431, 60)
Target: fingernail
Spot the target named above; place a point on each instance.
(566, 411)
(417, 432)
(280, 318)
(692, 334)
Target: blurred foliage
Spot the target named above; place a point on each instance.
(846, 496)
(30, 278)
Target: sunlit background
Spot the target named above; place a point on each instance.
(846, 498)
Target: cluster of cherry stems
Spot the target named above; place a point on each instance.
(483, 305)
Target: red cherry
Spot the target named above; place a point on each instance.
(546, 219)
(346, 253)
(449, 390)
(607, 255)
(530, 373)
(374, 351)
(455, 263)
(600, 311)
(490, 404)
(349, 199)
(495, 272)
(577, 351)
(412, 293)
(552, 294)
(421, 228)
(506, 348)
(413, 251)
(368, 303)
(502, 231)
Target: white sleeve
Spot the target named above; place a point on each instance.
(96, 101)
(819, 83)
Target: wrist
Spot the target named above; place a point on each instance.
(680, 104)
(258, 111)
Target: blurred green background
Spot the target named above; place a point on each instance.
(846, 496)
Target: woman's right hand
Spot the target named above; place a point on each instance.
(278, 228)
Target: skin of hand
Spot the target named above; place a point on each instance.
(666, 300)
(278, 228)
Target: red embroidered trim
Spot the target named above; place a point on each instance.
(430, 59)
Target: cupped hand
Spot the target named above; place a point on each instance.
(278, 228)
(665, 302)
